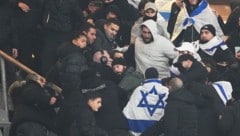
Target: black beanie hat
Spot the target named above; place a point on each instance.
(151, 73)
(210, 28)
(120, 61)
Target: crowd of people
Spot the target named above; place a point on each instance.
(123, 67)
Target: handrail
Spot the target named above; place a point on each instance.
(26, 69)
(4, 86)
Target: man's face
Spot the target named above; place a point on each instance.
(111, 30)
(193, 2)
(80, 42)
(95, 104)
(205, 36)
(91, 35)
(150, 13)
(146, 35)
(118, 69)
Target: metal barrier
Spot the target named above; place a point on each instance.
(4, 121)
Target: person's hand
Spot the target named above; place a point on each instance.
(23, 6)
(14, 52)
(53, 100)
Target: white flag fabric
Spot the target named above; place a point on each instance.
(202, 15)
(224, 90)
(146, 105)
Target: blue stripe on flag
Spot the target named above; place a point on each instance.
(165, 15)
(140, 126)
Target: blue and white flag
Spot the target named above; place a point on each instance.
(146, 105)
(202, 15)
(224, 90)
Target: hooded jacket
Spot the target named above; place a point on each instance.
(155, 54)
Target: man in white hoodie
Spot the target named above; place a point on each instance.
(153, 50)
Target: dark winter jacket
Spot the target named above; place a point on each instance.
(209, 107)
(33, 104)
(110, 116)
(197, 73)
(8, 38)
(230, 121)
(181, 114)
(62, 15)
(76, 118)
(67, 70)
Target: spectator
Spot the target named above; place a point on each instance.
(189, 20)
(110, 116)
(76, 116)
(71, 62)
(191, 70)
(149, 53)
(180, 117)
(214, 47)
(147, 103)
(60, 19)
(34, 109)
(129, 78)
(150, 12)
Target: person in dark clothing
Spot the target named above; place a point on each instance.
(34, 113)
(129, 14)
(191, 70)
(209, 106)
(229, 121)
(60, 19)
(180, 117)
(129, 79)
(90, 31)
(8, 38)
(71, 62)
(28, 15)
(102, 64)
(233, 40)
(212, 46)
(106, 38)
(231, 25)
(109, 117)
(76, 115)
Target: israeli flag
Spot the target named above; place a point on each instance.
(224, 90)
(146, 106)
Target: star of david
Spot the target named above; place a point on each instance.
(152, 107)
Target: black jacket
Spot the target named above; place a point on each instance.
(33, 104)
(209, 107)
(62, 15)
(110, 116)
(75, 118)
(68, 68)
(8, 37)
(197, 73)
(230, 121)
(180, 114)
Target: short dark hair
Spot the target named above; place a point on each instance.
(77, 34)
(151, 73)
(112, 21)
(91, 95)
(86, 27)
